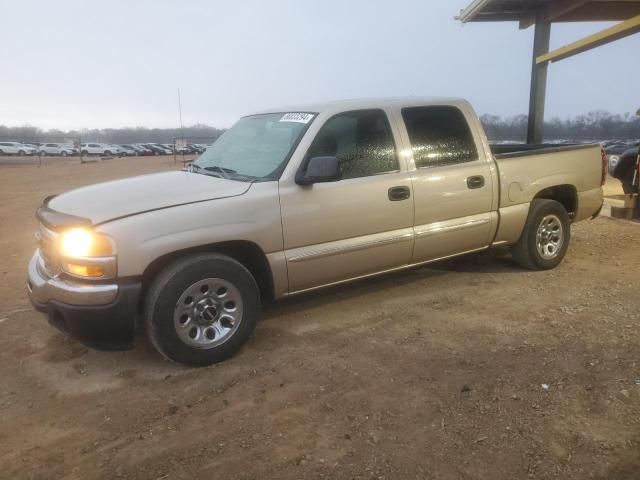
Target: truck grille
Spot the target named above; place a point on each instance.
(47, 243)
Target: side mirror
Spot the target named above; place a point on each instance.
(319, 170)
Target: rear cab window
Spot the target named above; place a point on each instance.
(439, 135)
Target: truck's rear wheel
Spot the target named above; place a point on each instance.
(201, 309)
(545, 238)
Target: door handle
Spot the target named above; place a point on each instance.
(476, 181)
(399, 193)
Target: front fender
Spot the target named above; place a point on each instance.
(253, 217)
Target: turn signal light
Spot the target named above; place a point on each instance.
(92, 271)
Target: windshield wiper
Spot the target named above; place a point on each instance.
(223, 171)
(208, 171)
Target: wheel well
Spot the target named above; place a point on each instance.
(564, 194)
(247, 253)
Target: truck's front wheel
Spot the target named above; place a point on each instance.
(201, 309)
(545, 238)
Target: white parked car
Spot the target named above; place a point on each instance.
(15, 148)
(98, 149)
(57, 149)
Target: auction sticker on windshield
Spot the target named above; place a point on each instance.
(297, 117)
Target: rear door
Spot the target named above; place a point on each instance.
(453, 183)
(359, 225)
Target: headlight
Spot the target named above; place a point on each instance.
(81, 242)
(86, 253)
(614, 159)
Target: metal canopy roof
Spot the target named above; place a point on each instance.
(542, 13)
(524, 11)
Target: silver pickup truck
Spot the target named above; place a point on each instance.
(295, 199)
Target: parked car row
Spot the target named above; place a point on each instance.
(101, 149)
(133, 149)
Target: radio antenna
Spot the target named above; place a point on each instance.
(180, 113)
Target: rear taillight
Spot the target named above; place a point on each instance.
(605, 162)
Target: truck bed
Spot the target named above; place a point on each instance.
(527, 170)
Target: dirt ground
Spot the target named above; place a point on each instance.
(467, 369)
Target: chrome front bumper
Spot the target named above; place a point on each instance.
(44, 288)
(101, 316)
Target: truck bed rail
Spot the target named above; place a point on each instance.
(510, 150)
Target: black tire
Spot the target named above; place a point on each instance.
(20, 153)
(170, 284)
(526, 252)
(1, 152)
(107, 153)
(627, 181)
(85, 153)
(64, 153)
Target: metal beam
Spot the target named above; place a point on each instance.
(578, 10)
(557, 9)
(602, 11)
(538, 80)
(612, 34)
(527, 20)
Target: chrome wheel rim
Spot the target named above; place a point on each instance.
(550, 237)
(208, 313)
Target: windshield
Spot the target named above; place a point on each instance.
(255, 148)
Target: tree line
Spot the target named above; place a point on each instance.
(593, 126)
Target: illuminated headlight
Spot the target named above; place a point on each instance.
(87, 254)
(613, 159)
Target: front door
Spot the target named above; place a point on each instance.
(359, 225)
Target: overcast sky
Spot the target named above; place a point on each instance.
(74, 64)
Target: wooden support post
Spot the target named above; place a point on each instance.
(538, 80)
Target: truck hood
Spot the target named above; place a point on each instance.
(122, 198)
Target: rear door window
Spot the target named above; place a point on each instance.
(439, 136)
